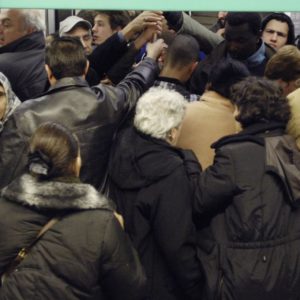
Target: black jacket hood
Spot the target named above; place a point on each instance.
(139, 160)
(254, 133)
(282, 155)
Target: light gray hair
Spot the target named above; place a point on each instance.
(158, 111)
(33, 19)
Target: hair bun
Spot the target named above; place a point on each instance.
(39, 163)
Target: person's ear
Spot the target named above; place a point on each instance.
(50, 75)
(208, 86)
(172, 135)
(258, 38)
(284, 86)
(77, 165)
(49, 72)
(297, 83)
(30, 30)
(194, 66)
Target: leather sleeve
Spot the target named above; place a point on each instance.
(124, 96)
(105, 55)
(207, 39)
(123, 66)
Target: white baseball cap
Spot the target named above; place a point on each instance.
(70, 22)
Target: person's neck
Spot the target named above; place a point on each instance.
(180, 75)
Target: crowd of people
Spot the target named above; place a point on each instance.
(144, 156)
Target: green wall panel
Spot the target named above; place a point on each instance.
(195, 5)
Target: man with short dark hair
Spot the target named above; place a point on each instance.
(179, 62)
(106, 23)
(77, 27)
(242, 41)
(93, 114)
(22, 53)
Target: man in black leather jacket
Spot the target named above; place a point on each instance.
(93, 114)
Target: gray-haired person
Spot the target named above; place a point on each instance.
(22, 56)
(150, 184)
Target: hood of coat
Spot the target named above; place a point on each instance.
(139, 160)
(58, 195)
(283, 157)
(255, 133)
(12, 100)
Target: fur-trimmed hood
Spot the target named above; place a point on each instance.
(29, 191)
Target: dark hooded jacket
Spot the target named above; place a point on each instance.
(248, 204)
(150, 186)
(93, 114)
(23, 63)
(85, 255)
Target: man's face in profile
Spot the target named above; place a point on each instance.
(12, 26)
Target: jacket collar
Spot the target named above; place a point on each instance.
(170, 80)
(216, 99)
(139, 160)
(67, 82)
(254, 133)
(57, 195)
(257, 57)
(32, 41)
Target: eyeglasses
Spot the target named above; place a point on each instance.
(279, 33)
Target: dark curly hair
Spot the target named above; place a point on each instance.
(259, 100)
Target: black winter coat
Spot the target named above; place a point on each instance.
(84, 256)
(23, 63)
(250, 237)
(92, 114)
(151, 188)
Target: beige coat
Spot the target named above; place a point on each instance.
(293, 127)
(205, 122)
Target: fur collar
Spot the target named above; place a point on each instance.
(28, 190)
